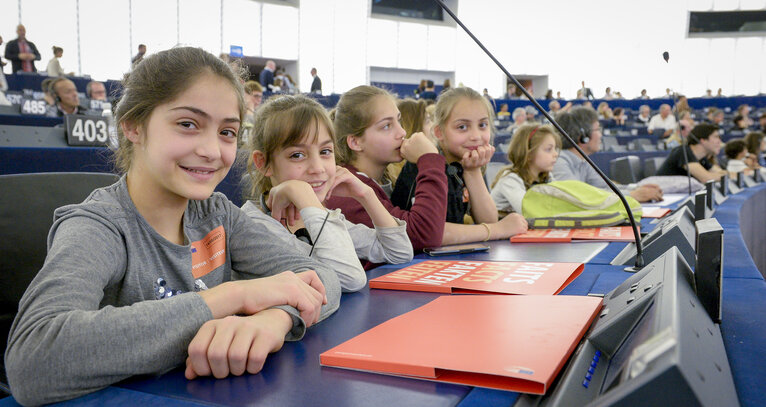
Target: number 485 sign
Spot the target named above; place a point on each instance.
(86, 130)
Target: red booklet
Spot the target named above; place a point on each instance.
(481, 277)
(606, 234)
(507, 342)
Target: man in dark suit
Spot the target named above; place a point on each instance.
(267, 76)
(22, 53)
(316, 85)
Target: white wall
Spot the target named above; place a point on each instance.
(604, 43)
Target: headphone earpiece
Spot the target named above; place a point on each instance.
(584, 136)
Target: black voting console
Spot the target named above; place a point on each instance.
(653, 344)
(676, 229)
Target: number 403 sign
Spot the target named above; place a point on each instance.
(86, 130)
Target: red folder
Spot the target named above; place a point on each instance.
(605, 234)
(481, 277)
(506, 342)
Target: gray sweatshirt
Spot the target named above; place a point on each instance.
(341, 243)
(115, 299)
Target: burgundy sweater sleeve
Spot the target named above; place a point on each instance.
(426, 219)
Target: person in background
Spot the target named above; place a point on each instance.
(96, 90)
(708, 94)
(414, 119)
(3, 81)
(266, 77)
(532, 153)
(504, 113)
(519, 117)
(737, 157)
(643, 95)
(139, 56)
(704, 143)
(65, 94)
(428, 93)
(604, 111)
(744, 111)
(253, 98)
(22, 53)
(54, 65)
(608, 94)
(663, 120)
(316, 83)
(644, 114)
(762, 122)
(582, 124)
(682, 105)
(447, 85)
(549, 94)
(715, 116)
(756, 145)
(719, 94)
(511, 93)
(618, 116)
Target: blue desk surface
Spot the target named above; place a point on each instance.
(293, 375)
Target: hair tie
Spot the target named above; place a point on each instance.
(532, 133)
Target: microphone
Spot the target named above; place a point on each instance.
(684, 143)
(639, 246)
(666, 56)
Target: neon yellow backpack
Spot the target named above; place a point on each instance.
(574, 204)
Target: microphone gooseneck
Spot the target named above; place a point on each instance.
(639, 246)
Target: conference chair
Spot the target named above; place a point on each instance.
(641, 144)
(652, 164)
(607, 142)
(26, 215)
(625, 170)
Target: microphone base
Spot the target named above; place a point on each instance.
(633, 269)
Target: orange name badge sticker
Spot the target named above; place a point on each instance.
(209, 253)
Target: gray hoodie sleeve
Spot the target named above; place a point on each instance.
(381, 245)
(64, 343)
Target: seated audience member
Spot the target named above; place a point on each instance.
(414, 118)
(668, 94)
(618, 95)
(762, 122)
(643, 95)
(704, 143)
(429, 93)
(618, 116)
(608, 94)
(744, 111)
(740, 123)
(96, 91)
(532, 153)
(604, 111)
(54, 65)
(708, 94)
(503, 113)
(446, 85)
(531, 114)
(519, 117)
(719, 94)
(66, 98)
(756, 144)
(253, 98)
(511, 93)
(715, 116)
(736, 155)
(682, 105)
(549, 94)
(48, 92)
(582, 125)
(681, 132)
(644, 114)
(663, 120)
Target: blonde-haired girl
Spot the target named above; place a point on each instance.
(532, 153)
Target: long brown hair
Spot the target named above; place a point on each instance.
(281, 122)
(160, 78)
(526, 140)
(352, 116)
